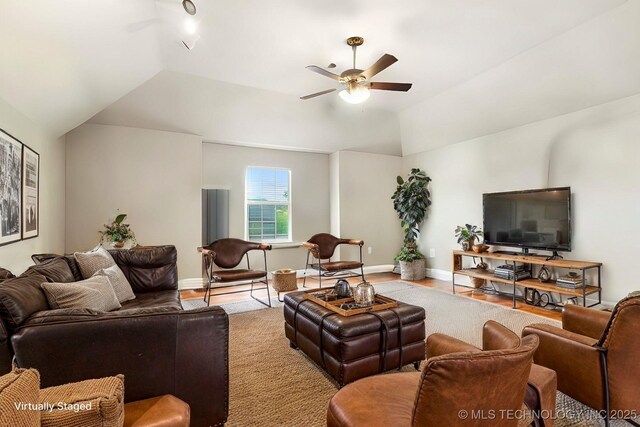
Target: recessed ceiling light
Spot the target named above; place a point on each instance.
(189, 7)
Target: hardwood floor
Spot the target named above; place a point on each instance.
(385, 277)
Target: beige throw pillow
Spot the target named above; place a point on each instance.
(19, 398)
(93, 260)
(95, 293)
(119, 282)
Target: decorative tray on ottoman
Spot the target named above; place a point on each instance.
(347, 306)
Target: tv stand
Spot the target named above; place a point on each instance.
(535, 261)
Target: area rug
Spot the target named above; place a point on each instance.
(274, 385)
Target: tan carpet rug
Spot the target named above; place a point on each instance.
(274, 385)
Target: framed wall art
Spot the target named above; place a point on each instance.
(30, 193)
(10, 189)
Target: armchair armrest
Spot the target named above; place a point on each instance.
(184, 353)
(352, 242)
(575, 359)
(585, 321)
(441, 344)
(264, 246)
(310, 246)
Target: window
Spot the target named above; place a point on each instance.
(267, 196)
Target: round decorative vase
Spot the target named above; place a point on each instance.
(364, 295)
(342, 288)
(119, 244)
(413, 270)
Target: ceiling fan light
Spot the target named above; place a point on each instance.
(189, 7)
(356, 95)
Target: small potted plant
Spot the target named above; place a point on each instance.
(411, 200)
(117, 232)
(467, 235)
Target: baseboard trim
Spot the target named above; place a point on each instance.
(196, 282)
(435, 273)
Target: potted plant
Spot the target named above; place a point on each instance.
(467, 235)
(117, 232)
(411, 200)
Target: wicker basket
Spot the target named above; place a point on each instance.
(284, 280)
(477, 282)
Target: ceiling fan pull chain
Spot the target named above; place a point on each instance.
(354, 47)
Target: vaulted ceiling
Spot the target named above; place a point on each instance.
(477, 66)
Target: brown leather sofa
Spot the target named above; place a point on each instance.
(159, 347)
(459, 389)
(595, 355)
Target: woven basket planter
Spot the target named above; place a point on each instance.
(414, 270)
(284, 280)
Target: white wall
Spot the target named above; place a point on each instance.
(16, 256)
(224, 166)
(234, 114)
(366, 183)
(154, 177)
(595, 151)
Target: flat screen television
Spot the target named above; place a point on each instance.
(530, 219)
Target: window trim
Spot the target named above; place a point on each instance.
(289, 239)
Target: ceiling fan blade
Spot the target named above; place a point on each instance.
(322, 71)
(313, 95)
(400, 87)
(384, 62)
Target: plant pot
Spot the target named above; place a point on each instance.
(413, 270)
(118, 245)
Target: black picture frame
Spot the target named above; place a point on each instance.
(30, 193)
(10, 188)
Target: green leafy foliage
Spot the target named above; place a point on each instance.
(468, 233)
(411, 200)
(409, 253)
(117, 231)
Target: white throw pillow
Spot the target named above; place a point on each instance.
(95, 293)
(119, 282)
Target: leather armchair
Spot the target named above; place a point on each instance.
(321, 247)
(595, 355)
(228, 254)
(540, 395)
(489, 384)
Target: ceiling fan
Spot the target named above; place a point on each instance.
(355, 84)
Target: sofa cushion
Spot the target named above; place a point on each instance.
(120, 283)
(20, 386)
(89, 403)
(158, 299)
(149, 268)
(20, 298)
(55, 270)
(95, 293)
(5, 274)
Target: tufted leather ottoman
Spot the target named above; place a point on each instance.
(353, 347)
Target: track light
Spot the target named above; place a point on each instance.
(189, 7)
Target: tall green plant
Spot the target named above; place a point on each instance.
(411, 200)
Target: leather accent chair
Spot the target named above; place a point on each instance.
(321, 247)
(595, 355)
(227, 254)
(487, 385)
(540, 395)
